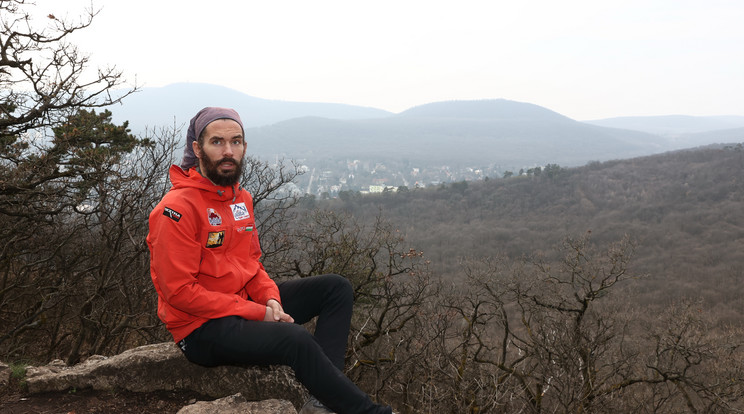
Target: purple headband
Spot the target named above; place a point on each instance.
(196, 127)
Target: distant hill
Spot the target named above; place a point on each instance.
(672, 124)
(157, 107)
(457, 133)
(495, 132)
(492, 109)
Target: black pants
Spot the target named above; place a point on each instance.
(317, 359)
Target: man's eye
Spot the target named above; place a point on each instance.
(237, 142)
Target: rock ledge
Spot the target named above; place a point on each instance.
(163, 367)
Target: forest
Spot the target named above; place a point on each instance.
(683, 209)
(612, 287)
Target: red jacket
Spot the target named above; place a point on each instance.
(204, 255)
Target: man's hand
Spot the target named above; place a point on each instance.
(275, 313)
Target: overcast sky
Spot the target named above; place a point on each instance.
(586, 59)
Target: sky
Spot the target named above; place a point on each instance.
(585, 59)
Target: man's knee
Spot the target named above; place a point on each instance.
(341, 287)
(298, 345)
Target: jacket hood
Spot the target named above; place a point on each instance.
(191, 178)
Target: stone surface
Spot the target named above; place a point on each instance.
(237, 404)
(163, 367)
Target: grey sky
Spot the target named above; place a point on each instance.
(584, 59)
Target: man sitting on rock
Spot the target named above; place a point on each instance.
(214, 295)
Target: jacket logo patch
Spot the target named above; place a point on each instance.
(172, 214)
(214, 218)
(215, 239)
(240, 212)
(244, 228)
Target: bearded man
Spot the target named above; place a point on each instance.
(215, 296)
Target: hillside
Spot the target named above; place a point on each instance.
(684, 209)
(489, 132)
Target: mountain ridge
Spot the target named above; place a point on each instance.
(483, 109)
(480, 132)
(451, 140)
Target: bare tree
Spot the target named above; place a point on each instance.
(392, 286)
(274, 198)
(79, 284)
(115, 302)
(43, 78)
(46, 181)
(548, 336)
(44, 81)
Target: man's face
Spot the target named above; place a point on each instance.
(221, 152)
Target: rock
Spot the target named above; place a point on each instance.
(237, 404)
(163, 367)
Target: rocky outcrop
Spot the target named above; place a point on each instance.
(237, 404)
(163, 367)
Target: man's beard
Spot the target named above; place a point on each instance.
(210, 171)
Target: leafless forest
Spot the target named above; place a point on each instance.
(683, 210)
(614, 287)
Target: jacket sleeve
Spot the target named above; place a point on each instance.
(262, 288)
(175, 257)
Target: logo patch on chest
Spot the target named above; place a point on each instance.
(214, 217)
(215, 239)
(240, 211)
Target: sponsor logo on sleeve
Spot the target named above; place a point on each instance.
(240, 212)
(215, 239)
(172, 214)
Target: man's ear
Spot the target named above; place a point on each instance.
(196, 148)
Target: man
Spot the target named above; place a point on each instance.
(214, 295)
